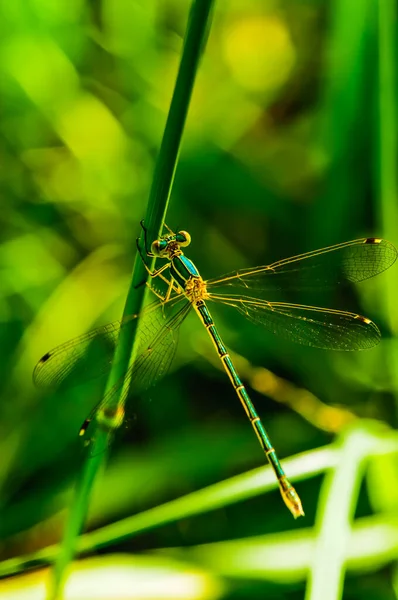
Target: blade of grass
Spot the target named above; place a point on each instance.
(386, 123)
(385, 161)
(338, 500)
(196, 33)
(225, 493)
(385, 148)
(285, 557)
(342, 115)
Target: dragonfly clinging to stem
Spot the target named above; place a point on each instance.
(354, 261)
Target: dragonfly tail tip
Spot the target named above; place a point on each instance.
(291, 498)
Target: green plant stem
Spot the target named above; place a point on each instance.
(336, 510)
(224, 493)
(235, 489)
(387, 119)
(386, 143)
(386, 192)
(196, 34)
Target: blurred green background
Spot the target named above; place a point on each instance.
(290, 145)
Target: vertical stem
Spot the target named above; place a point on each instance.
(387, 128)
(195, 38)
(386, 161)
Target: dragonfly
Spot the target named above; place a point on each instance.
(184, 290)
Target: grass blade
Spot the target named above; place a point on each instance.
(157, 206)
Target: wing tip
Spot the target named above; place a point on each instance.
(43, 360)
(38, 367)
(372, 240)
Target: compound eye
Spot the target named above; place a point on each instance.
(183, 238)
(158, 247)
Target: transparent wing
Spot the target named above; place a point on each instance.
(157, 339)
(307, 325)
(72, 361)
(320, 269)
(157, 343)
(90, 355)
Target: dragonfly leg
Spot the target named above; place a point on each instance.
(149, 253)
(168, 228)
(152, 274)
(162, 297)
(137, 241)
(158, 273)
(169, 290)
(171, 287)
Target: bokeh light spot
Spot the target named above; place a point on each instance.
(259, 52)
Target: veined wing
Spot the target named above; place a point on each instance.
(320, 269)
(65, 360)
(307, 325)
(158, 338)
(157, 343)
(90, 355)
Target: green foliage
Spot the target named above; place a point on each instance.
(290, 144)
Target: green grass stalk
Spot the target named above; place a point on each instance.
(363, 440)
(386, 192)
(336, 510)
(195, 38)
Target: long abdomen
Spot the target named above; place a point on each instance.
(289, 494)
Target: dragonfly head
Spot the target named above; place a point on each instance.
(169, 245)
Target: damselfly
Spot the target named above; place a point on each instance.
(185, 289)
